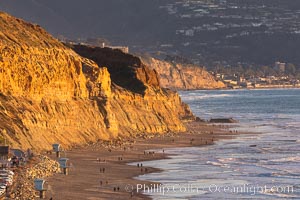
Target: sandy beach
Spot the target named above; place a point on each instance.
(101, 171)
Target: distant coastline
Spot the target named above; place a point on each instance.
(250, 88)
(277, 86)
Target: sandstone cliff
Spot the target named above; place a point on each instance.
(49, 94)
(126, 70)
(183, 77)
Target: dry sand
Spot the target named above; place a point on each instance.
(85, 181)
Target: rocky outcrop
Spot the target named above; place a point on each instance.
(183, 77)
(49, 94)
(223, 120)
(44, 167)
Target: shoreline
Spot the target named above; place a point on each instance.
(102, 170)
(226, 89)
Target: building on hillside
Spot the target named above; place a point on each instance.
(4, 156)
(124, 49)
(4, 152)
(230, 79)
(279, 66)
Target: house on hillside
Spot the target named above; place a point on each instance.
(124, 49)
(4, 156)
(279, 66)
(4, 152)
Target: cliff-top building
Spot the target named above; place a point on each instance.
(279, 66)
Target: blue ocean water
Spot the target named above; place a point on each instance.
(262, 165)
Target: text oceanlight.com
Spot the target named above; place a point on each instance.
(214, 188)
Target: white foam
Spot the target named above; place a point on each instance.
(227, 160)
(218, 164)
(203, 96)
(288, 159)
(281, 195)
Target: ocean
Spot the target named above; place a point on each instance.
(262, 165)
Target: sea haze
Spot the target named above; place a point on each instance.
(249, 165)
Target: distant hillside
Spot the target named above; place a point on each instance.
(211, 33)
(183, 76)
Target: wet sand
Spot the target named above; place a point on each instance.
(100, 171)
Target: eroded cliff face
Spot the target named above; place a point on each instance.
(183, 77)
(137, 91)
(50, 94)
(126, 70)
